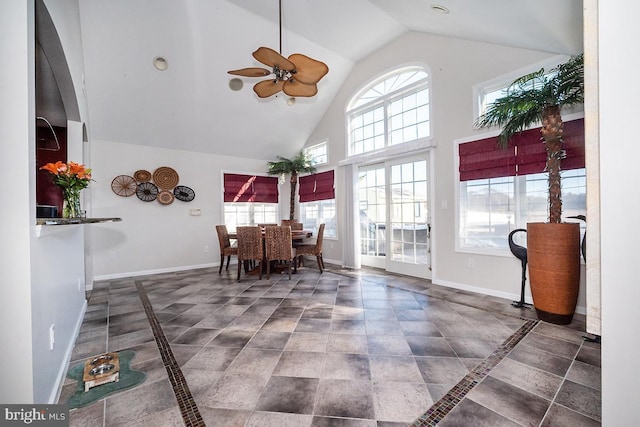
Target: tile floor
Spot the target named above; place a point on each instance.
(341, 348)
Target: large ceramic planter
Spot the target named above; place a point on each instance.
(553, 252)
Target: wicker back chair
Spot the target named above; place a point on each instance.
(278, 247)
(266, 225)
(250, 246)
(226, 249)
(314, 249)
(291, 223)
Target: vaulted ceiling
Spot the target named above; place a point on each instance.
(191, 106)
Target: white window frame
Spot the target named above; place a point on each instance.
(310, 150)
(331, 226)
(385, 101)
(517, 198)
(480, 90)
(232, 226)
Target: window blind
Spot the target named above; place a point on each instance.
(524, 155)
(318, 186)
(250, 188)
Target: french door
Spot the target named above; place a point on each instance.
(395, 228)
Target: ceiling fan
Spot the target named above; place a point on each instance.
(296, 75)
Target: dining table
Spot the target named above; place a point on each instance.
(296, 236)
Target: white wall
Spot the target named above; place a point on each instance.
(456, 66)
(152, 237)
(42, 268)
(16, 142)
(619, 203)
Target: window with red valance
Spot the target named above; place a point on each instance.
(525, 154)
(318, 186)
(250, 188)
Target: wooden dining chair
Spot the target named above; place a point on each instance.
(226, 248)
(278, 247)
(313, 249)
(266, 225)
(250, 246)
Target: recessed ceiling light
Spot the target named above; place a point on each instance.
(439, 8)
(236, 84)
(160, 63)
(291, 101)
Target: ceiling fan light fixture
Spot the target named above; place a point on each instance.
(296, 76)
(439, 8)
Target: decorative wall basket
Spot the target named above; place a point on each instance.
(142, 175)
(165, 178)
(162, 186)
(124, 185)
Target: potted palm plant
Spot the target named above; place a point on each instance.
(554, 247)
(293, 167)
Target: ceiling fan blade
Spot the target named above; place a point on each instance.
(294, 88)
(266, 88)
(308, 70)
(273, 59)
(250, 72)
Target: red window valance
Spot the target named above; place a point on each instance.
(250, 188)
(318, 186)
(525, 154)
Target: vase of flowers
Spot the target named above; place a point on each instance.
(71, 177)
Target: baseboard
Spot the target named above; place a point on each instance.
(155, 271)
(168, 270)
(491, 292)
(62, 373)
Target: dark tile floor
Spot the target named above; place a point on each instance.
(341, 348)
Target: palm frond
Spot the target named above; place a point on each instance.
(528, 95)
(300, 163)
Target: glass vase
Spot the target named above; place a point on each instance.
(71, 203)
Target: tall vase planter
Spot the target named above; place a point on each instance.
(553, 252)
(71, 203)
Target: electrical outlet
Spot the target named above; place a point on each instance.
(471, 262)
(206, 248)
(52, 336)
(113, 254)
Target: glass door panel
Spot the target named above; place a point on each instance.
(394, 216)
(373, 209)
(409, 219)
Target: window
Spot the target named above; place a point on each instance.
(491, 208)
(236, 214)
(499, 190)
(487, 92)
(317, 202)
(250, 200)
(390, 111)
(318, 153)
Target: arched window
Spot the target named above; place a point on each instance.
(392, 110)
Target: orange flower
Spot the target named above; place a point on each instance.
(55, 168)
(69, 176)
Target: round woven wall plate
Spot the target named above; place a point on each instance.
(142, 175)
(184, 193)
(165, 197)
(147, 191)
(165, 178)
(123, 185)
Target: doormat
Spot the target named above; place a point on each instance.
(128, 379)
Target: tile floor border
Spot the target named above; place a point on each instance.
(187, 404)
(449, 401)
